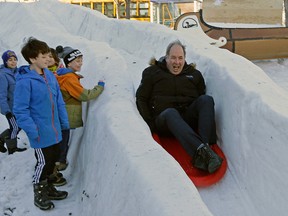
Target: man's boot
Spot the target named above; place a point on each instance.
(199, 161)
(209, 157)
(41, 199)
(12, 146)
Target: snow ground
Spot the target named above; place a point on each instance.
(116, 169)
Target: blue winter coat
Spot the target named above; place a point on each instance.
(39, 107)
(7, 87)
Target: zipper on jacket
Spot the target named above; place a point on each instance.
(53, 109)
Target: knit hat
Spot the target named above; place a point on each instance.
(68, 54)
(8, 54)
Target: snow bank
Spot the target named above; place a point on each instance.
(115, 165)
(252, 122)
(116, 168)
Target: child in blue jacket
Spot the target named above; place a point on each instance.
(40, 111)
(8, 71)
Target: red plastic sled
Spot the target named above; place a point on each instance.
(199, 178)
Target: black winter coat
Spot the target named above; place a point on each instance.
(160, 89)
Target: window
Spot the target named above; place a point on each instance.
(122, 10)
(144, 9)
(109, 9)
(97, 6)
(133, 9)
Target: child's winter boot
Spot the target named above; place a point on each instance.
(54, 194)
(12, 146)
(3, 136)
(56, 178)
(41, 199)
(61, 165)
(2, 147)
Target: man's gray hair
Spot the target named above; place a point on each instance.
(177, 42)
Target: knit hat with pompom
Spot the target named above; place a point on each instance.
(68, 54)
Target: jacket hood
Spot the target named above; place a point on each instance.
(8, 70)
(63, 71)
(24, 72)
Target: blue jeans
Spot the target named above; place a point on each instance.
(199, 116)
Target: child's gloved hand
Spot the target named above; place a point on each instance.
(101, 83)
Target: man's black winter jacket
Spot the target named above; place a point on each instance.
(160, 89)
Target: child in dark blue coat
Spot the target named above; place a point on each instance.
(7, 86)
